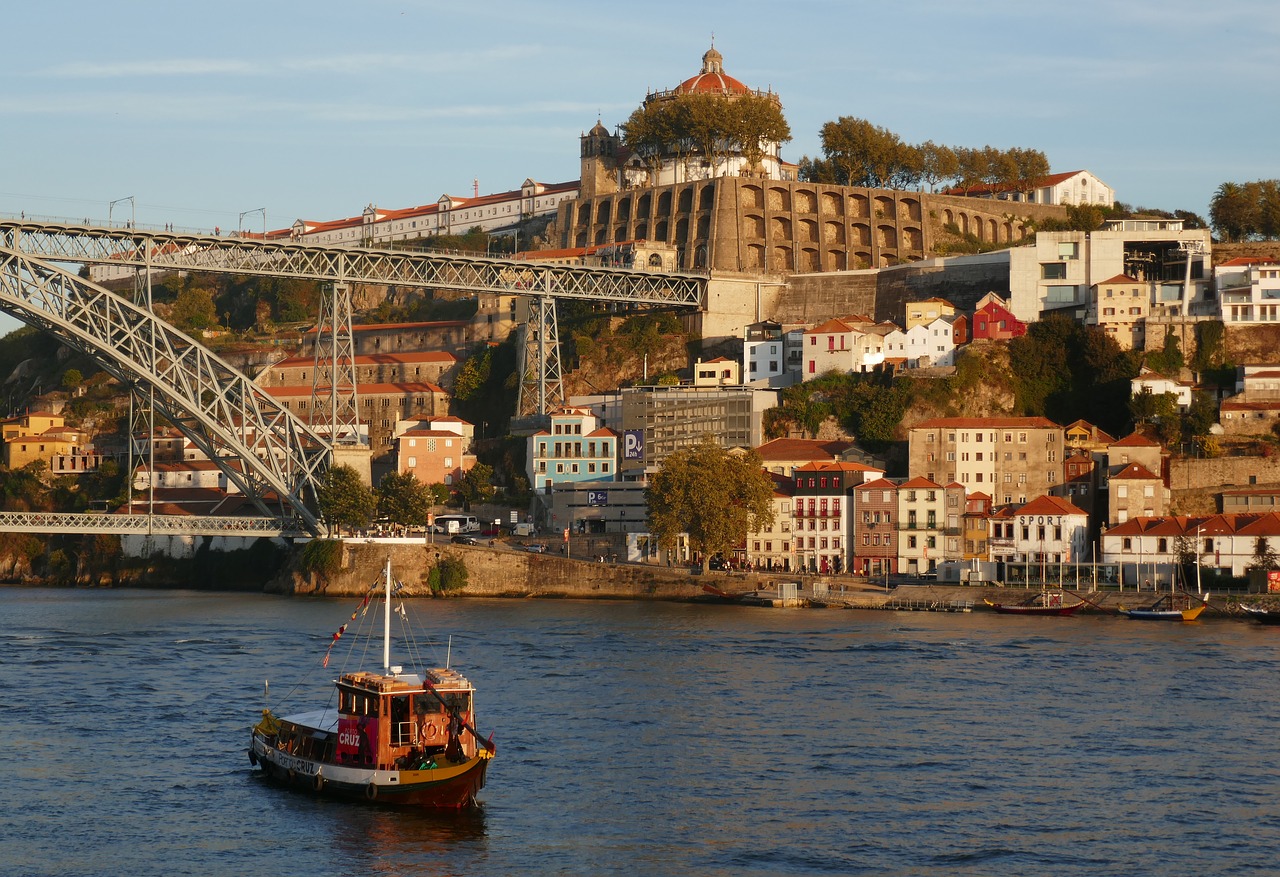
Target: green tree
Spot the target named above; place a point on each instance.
(345, 500)
(72, 378)
(714, 496)
(477, 484)
(403, 499)
(193, 310)
(712, 126)
(1231, 212)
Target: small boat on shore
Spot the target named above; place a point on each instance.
(1053, 603)
(1261, 614)
(1167, 609)
(395, 737)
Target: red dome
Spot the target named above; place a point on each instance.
(712, 83)
(712, 79)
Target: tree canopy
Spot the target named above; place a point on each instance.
(712, 126)
(856, 152)
(1244, 211)
(345, 500)
(403, 499)
(713, 495)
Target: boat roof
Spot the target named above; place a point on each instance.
(438, 677)
(325, 720)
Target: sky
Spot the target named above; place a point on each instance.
(213, 114)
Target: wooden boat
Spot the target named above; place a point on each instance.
(1165, 609)
(1048, 603)
(395, 737)
(1262, 615)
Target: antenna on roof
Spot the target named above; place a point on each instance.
(475, 188)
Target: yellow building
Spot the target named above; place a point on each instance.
(39, 436)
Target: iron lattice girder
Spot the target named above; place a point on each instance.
(204, 397)
(84, 244)
(140, 525)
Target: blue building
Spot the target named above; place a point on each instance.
(576, 448)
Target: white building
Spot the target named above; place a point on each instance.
(1059, 271)
(1050, 530)
(849, 344)
(1248, 290)
(772, 356)
(1150, 381)
(1070, 187)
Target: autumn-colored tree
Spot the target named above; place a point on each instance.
(711, 494)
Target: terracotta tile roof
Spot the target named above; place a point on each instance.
(797, 449)
(1050, 505)
(982, 188)
(1119, 278)
(879, 484)
(363, 389)
(374, 359)
(921, 482)
(1136, 471)
(1136, 440)
(833, 466)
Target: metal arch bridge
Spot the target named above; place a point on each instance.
(259, 445)
(545, 283)
(161, 250)
(271, 451)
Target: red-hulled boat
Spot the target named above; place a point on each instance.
(395, 737)
(1050, 603)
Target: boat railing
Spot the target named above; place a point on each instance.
(404, 733)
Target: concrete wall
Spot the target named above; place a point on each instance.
(1221, 472)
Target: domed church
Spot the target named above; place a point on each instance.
(608, 165)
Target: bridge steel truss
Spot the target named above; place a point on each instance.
(544, 282)
(142, 525)
(260, 446)
(158, 250)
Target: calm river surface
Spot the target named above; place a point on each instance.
(654, 739)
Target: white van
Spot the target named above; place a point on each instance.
(456, 524)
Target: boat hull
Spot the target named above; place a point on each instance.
(1045, 611)
(1164, 614)
(447, 787)
(1263, 616)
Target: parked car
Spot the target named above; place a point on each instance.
(536, 548)
(465, 540)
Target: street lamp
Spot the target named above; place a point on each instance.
(133, 209)
(240, 223)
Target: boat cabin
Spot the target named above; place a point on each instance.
(402, 721)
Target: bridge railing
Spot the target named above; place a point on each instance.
(169, 525)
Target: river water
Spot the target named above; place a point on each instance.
(656, 739)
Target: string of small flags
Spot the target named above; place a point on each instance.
(360, 610)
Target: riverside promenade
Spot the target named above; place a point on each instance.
(508, 572)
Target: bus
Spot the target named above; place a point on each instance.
(456, 524)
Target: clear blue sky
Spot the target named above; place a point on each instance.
(204, 111)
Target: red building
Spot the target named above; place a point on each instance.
(993, 321)
(875, 513)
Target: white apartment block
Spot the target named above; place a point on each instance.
(1248, 290)
(1060, 270)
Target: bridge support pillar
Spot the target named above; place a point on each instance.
(541, 387)
(358, 457)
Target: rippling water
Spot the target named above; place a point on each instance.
(654, 739)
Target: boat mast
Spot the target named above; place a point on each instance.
(386, 619)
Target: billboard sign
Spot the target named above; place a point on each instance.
(597, 497)
(633, 444)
